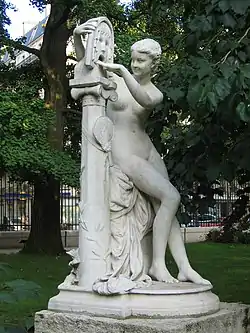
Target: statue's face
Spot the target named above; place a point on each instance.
(141, 64)
(103, 47)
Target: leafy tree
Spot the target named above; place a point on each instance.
(4, 19)
(45, 232)
(25, 152)
(205, 80)
(59, 127)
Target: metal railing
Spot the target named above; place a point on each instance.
(16, 202)
(15, 205)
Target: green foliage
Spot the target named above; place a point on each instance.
(45, 271)
(41, 142)
(235, 227)
(24, 121)
(205, 119)
(14, 291)
(26, 148)
(124, 41)
(236, 236)
(202, 130)
(4, 19)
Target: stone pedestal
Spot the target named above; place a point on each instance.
(232, 318)
(159, 300)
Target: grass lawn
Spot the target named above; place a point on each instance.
(226, 266)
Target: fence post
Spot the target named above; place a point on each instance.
(65, 238)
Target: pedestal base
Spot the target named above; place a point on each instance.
(232, 318)
(160, 300)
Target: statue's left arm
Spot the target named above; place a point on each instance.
(140, 94)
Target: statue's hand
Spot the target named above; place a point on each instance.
(114, 68)
(85, 28)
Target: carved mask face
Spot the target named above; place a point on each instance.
(141, 64)
(103, 43)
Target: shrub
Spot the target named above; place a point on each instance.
(238, 232)
(14, 291)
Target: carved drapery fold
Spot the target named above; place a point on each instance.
(131, 217)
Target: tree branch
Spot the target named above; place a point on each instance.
(18, 46)
(229, 52)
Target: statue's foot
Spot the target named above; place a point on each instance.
(189, 274)
(160, 273)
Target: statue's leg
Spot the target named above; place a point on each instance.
(151, 182)
(177, 248)
(178, 251)
(175, 241)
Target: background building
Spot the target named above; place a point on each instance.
(33, 38)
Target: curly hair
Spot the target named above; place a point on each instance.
(148, 46)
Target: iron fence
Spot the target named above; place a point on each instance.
(222, 207)
(15, 205)
(16, 202)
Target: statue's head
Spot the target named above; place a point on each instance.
(145, 56)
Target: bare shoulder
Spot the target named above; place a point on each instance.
(155, 94)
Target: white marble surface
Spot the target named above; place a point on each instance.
(136, 184)
(161, 288)
(128, 205)
(90, 85)
(161, 300)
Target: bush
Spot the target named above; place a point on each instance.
(13, 291)
(214, 235)
(243, 237)
(237, 233)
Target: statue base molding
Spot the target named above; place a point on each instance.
(231, 318)
(160, 300)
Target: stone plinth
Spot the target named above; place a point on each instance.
(232, 318)
(160, 300)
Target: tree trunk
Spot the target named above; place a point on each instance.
(45, 234)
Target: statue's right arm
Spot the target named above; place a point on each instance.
(144, 97)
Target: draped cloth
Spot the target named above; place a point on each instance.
(132, 217)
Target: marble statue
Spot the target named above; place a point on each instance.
(136, 156)
(135, 163)
(125, 186)
(127, 204)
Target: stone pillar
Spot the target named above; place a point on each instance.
(94, 88)
(94, 231)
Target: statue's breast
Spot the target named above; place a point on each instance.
(124, 96)
(126, 102)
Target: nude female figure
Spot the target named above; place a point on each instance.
(135, 154)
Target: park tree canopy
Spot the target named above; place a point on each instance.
(25, 152)
(45, 233)
(202, 128)
(205, 77)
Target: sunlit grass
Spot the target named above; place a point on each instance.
(226, 266)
